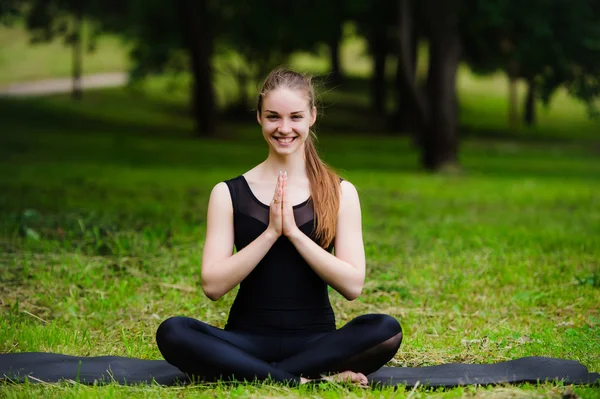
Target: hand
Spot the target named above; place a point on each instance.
(275, 214)
(289, 222)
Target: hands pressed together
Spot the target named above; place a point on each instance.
(281, 218)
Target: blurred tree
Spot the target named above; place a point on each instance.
(257, 37)
(198, 38)
(170, 39)
(47, 19)
(10, 12)
(263, 34)
(176, 37)
(375, 21)
(334, 18)
(404, 117)
(436, 105)
(547, 43)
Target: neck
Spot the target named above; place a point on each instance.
(294, 164)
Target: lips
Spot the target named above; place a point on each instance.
(285, 140)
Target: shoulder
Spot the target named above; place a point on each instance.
(227, 190)
(221, 193)
(348, 195)
(221, 188)
(348, 190)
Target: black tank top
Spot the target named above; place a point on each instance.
(282, 295)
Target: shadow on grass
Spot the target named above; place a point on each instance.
(106, 111)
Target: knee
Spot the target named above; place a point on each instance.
(386, 328)
(385, 324)
(169, 333)
(393, 330)
(390, 325)
(390, 333)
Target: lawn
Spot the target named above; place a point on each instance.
(102, 219)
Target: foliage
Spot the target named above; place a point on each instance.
(555, 42)
(10, 12)
(48, 19)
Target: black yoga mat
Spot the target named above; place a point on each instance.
(51, 367)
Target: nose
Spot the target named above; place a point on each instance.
(285, 126)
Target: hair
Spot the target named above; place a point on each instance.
(324, 182)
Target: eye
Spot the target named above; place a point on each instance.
(297, 117)
(272, 117)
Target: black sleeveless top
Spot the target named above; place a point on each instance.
(282, 295)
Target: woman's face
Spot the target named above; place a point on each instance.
(286, 120)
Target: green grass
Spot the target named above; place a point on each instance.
(103, 211)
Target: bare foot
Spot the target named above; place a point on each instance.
(350, 377)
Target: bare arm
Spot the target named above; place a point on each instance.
(221, 269)
(344, 271)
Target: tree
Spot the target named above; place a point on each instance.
(325, 26)
(10, 11)
(548, 43)
(198, 38)
(436, 106)
(159, 35)
(576, 54)
(259, 41)
(48, 19)
(170, 38)
(264, 33)
(375, 21)
(404, 117)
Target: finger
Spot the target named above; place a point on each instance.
(281, 197)
(276, 195)
(281, 187)
(277, 184)
(285, 196)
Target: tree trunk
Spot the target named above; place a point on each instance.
(404, 118)
(513, 96)
(77, 44)
(379, 47)
(406, 70)
(529, 114)
(440, 135)
(198, 36)
(334, 55)
(436, 113)
(242, 81)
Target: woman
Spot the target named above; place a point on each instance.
(284, 226)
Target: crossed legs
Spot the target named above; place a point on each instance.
(363, 345)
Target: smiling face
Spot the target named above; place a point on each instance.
(286, 119)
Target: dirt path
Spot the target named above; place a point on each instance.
(54, 86)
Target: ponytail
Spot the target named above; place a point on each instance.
(325, 193)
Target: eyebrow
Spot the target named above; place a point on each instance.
(275, 112)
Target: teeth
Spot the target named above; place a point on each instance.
(285, 140)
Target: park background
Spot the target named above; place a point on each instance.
(469, 128)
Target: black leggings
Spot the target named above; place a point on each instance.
(202, 351)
